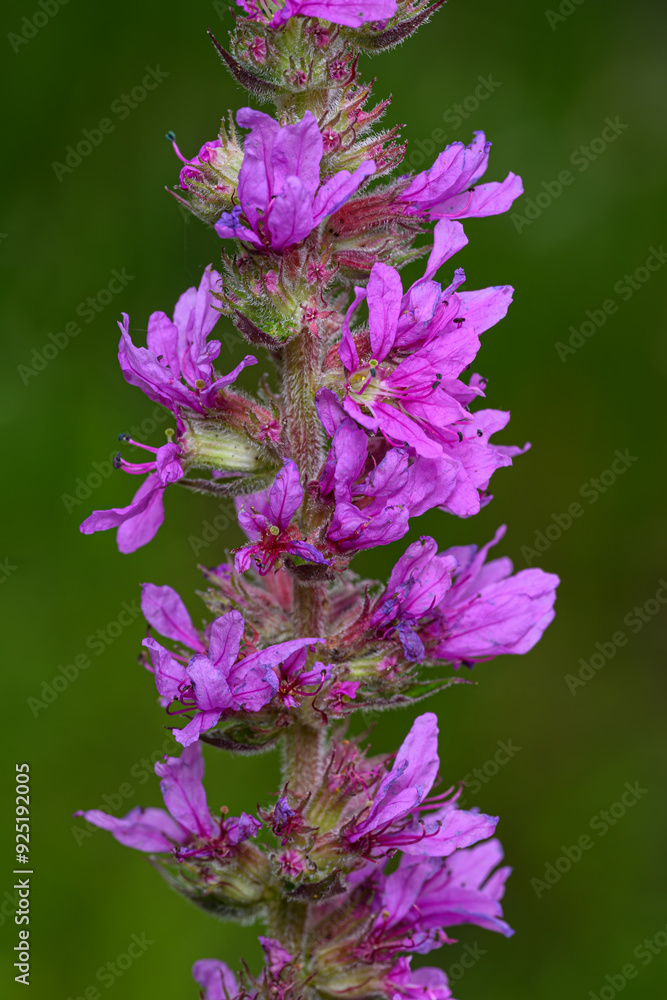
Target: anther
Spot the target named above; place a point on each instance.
(117, 460)
(123, 437)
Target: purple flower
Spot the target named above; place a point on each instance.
(211, 177)
(281, 200)
(347, 12)
(213, 158)
(418, 582)
(478, 459)
(393, 819)
(277, 957)
(165, 611)
(191, 169)
(176, 369)
(405, 385)
(138, 522)
(266, 519)
(374, 501)
(351, 13)
(339, 696)
(215, 682)
(488, 611)
(427, 983)
(217, 979)
(294, 681)
(219, 982)
(426, 895)
(187, 828)
(449, 189)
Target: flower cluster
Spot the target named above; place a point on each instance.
(370, 421)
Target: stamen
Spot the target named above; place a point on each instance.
(177, 711)
(138, 444)
(134, 468)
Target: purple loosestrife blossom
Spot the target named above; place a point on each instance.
(427, 983)
(218, 681)
(279, 183)
(192, 169)
(295, 681)
(165, 611)
(266, 519)
(406, 386)
(374, 499)
(138, 523)
(426, 895)
(351, 13)
(187, 827)
(176, 369)
(489, 610)
(277, 957)
(211, 177)
(217, 980)
(418, 582)
(394, 818)
(449, 189)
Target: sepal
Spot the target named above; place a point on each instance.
(237, 440)
(246, 737)
(256, 84)
(317, 892)
(227, 890)
(415, 692)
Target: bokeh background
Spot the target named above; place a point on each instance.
(553, 80)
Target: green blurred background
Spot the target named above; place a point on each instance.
(554, 82)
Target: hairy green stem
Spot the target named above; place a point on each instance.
(303, 757)
(302, 361)
(286, 922)
(302, 377)
(303, 760)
